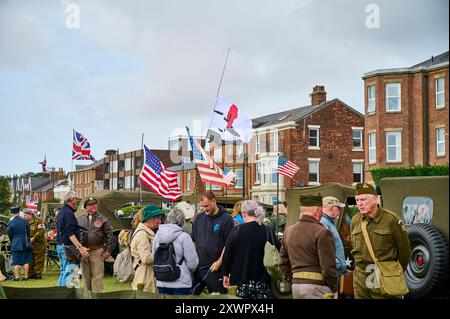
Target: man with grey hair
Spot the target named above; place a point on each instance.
(68, 236)
(185, 254)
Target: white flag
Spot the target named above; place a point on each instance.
(229, 122)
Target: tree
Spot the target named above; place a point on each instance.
(5, 194)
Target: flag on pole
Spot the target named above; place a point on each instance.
(229, 175)
(32, 204)
(209, 171)
(286, 168)
(229, 123)
(81, 148)
(156, 177)
(44, 164)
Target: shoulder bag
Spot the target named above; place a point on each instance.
(388, 273)
(272, 257)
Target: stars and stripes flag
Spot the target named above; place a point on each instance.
(230, 176)
(286, 168)
(209, 171)
(81, 148)
(156, 177)
(32, 204)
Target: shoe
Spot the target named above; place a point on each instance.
(37, 276)
(16, 279)
(25, 278)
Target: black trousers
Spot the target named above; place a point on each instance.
(203, 277)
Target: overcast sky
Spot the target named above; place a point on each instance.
(153, 67)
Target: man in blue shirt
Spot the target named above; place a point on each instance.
(68, 234)
(331, 210)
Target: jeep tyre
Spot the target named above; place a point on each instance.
(427, 271)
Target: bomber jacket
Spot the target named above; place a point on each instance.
(96, 233)
(308, 246)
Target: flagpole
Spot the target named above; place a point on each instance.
(223, 72)
(278, 201)
(140, 184)
(73, 173)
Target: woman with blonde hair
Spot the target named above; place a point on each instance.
(244, 254)
(237, 215)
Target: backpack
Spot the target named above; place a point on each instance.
(123, 265)
(165, 266)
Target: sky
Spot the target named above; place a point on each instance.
(114, 70)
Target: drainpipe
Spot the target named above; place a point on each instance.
(425, 120)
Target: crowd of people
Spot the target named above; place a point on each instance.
(214, 250)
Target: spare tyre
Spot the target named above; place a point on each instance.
(427, 271)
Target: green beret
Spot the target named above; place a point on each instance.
(364, 188)
(14, 210)
(151, 211)
(311, 200)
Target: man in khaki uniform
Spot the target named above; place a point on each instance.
(308, 254)
(39, 243)
(387, 234)
(97, 236)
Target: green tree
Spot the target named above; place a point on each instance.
(5, 194)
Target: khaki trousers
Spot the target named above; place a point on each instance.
(92, 269)
(309, 291)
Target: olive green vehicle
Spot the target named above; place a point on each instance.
(4, 220)
(422, 203)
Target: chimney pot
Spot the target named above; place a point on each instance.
(318, 95)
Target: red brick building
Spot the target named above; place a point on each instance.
(407, 115)
(325, 139)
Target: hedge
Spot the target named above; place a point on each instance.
(425, 170)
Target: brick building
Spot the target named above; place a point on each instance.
(407, 115)
(88, 179)
(325, 139)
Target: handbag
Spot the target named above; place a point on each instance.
(389, 274)
(272, 258)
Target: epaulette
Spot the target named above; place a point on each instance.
(390, 212)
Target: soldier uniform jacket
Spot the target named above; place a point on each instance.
(98, 233)
(37, 230)
(388, 236)
(308, 246)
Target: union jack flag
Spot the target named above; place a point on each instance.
(81, 148)
(156, 177)
(32, 204)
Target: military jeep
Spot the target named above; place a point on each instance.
(422, 203)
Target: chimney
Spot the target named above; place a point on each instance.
(318, 95)
(110, 152)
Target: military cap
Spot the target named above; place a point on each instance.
(364, 188)
(14, 210)
(311, 200)
(150, 211)
(90, 200)
(332, 201)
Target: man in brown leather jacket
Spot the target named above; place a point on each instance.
(308, 255)
(97, 236)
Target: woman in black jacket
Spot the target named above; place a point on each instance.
(244, 254)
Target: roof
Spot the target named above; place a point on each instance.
(435, 62)
(294, 115)
(90, 166)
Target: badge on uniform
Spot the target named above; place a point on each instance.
(97, 223)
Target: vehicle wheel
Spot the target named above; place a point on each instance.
(277, 294)
(427, 271)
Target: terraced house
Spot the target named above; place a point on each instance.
(407, 115)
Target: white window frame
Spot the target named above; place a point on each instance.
(440, 142)
(273, 172)
(240, 150)
(258, 172)
(398, 146)
(128, 163)
(314, 161)
(128, 182)
(360, 130)
(372, 148)
(274, 142)
(217, 154)
(257, 144)
(399, 96)
(238, 171)
(314, 128)
(371, 100)
(215, 187)
(440, 93)
(360, 163)
(188, 182)
(113, 166)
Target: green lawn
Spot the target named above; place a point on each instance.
(50, 278)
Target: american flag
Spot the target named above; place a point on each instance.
(229, 175)
(286, 168)
(32, 204)
(209, 171)
(155, 176)
(81, 148)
